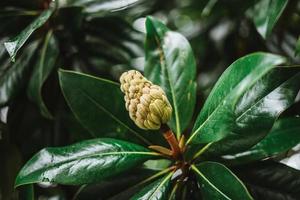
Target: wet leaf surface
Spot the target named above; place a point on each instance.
(85, 162)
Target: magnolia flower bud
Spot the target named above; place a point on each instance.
(147, 103)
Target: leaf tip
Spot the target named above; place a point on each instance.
(149, 18)
(149, 22)
(10, 48)
(17, 182)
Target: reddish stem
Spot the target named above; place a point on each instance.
(171, 139)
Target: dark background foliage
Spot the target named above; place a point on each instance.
(104, 38)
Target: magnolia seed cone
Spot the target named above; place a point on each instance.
(147, 103)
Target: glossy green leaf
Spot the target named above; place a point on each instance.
(245, 103)
(170, 63)
(43, 67)
(218, 182)
(99, 105)
(270, 180)
(12, 46)
(255, 124)
(84, 162)
(13, 79)
(266, 13)
(157, 190)
(283, 136)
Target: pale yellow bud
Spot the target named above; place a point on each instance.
(147, 103)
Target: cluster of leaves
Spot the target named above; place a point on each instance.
(237, 127)
(38, 37)
(232, 126)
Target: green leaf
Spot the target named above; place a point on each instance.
(157, 190)
(218, 182)
(12, 46)
(84, 162)
(99, 105)
(297, 50)
(158, 164)
(170, 63)
(270, 180)
(115, 185)
(283, 136)
(245, 103)
(14, 78)
(104, 5)
(43, 67)
(138, 186)
(265, 14)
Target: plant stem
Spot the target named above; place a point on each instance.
(171, 139)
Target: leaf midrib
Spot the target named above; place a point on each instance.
(99, 154)
(253, 105)
(86, 157)
(263, 97)
(222, 102)
(165, 68)
(210, 183)
(160, 185)
(115, 118)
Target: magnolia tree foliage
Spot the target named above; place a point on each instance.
(125, 123)
(236, 118)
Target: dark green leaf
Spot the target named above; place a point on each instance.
(297, 50)
(12, 46)
(109, 50)
(157, 190)
(85, 162)
(283, 136)
(115, 185)
(104, 5)
(218, 182)
(270, 180)
(13, 78)
(99, 105)
(255, 123)
(245, 103)
(266, 13)
(43, 67)
(170, 63)
(133, 190)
